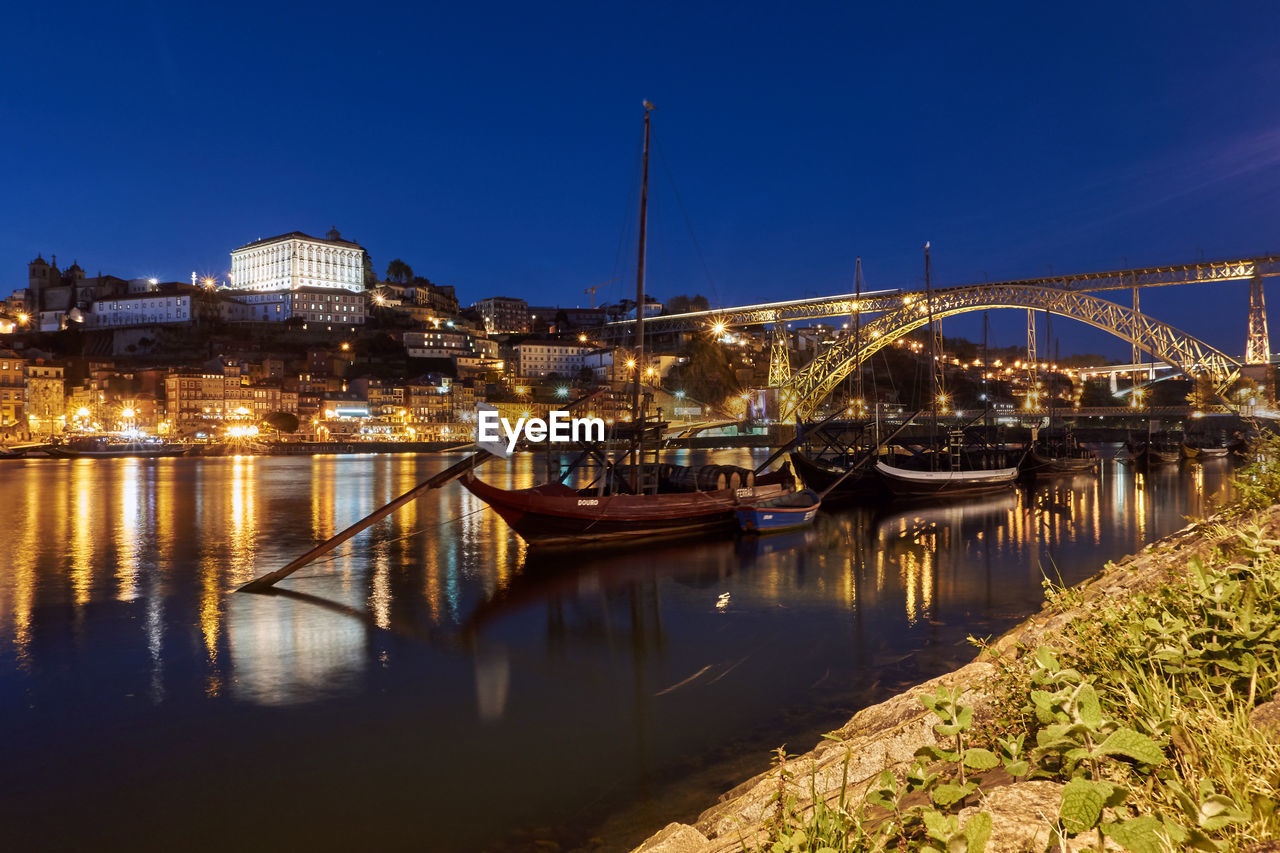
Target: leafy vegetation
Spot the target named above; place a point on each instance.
(1141, 713)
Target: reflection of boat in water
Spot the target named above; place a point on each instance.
(546, 577)
(924, 514)
(755, 547)
(774, 515)
(99, 448)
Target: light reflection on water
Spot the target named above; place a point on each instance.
(436, 661)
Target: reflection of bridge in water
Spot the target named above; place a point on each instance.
(885, 316)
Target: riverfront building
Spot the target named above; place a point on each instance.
(309, 304)
(13, 389)
(537, 359)
(296, 260)
(503, 314)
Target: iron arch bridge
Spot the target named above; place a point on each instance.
(805, 390)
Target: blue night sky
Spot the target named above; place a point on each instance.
(495, 147)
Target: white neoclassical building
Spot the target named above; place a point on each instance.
(296, 260)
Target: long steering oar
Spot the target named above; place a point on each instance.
(262, 584)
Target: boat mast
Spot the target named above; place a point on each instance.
(857, 331)
(933, 360)
(986, 388)
(636, 416)
(1048, 331)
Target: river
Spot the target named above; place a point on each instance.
(431, 686)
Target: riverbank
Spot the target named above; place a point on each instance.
(1138, 701)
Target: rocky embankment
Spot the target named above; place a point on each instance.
(887, 735)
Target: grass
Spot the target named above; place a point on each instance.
(1140, 709)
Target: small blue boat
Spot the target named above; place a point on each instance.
(776, 514)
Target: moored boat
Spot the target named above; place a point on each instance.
(632, 499)
(1044, 462)
(908, 483)
(1145, 457)
(98, 449)
(774, 515)
(862, 484)
(555, 515)
(1190, 451)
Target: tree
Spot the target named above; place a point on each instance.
(282, 422)
(399, 272)
(682, 304)
(707, 375)
(1097, 392)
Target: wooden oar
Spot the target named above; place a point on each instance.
(265, 582)
(870, 453)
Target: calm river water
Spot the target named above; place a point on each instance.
(433, 687)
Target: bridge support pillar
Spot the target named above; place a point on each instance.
(1257, 348)
(779, 356)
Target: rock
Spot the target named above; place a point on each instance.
(1022, 815)
(675, 838)
(1266, 719)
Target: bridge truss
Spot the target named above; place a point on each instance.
(842, 306)
(805, 391)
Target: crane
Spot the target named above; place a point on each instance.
(592, 290)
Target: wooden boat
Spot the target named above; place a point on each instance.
(97, 449)
(906, 483)
(859, 485)
(1047, 462)
(1146, 456)
(555, 515)
(1190, 451)
(630, 502)
(781, 513)
(6, 453)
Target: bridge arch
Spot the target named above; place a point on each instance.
(807, 388)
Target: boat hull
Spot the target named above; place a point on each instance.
(122, 453)
(1045, 465)
(860, 485)
(774, 516)
(1146, 458)
(905, 483)
(557, 516)
(1189, 452)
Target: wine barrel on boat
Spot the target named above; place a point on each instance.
(683, 479)
(712, 478)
